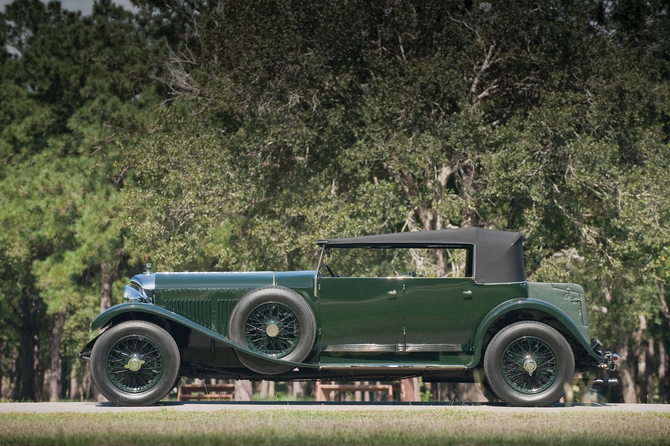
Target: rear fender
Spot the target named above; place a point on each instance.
(534, 304)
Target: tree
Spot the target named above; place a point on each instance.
(79, 91)
(334, 119)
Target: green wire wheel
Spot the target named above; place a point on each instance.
(529, 363)
(135, 364)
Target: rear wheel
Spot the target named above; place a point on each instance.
(529, 364)
(275, 322)
(135, 363)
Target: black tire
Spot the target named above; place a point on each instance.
(524, 349)
(276, 322)
(151, 364)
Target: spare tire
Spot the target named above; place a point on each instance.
(275, 322)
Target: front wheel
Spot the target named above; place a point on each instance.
(135, 363)
(529, 364)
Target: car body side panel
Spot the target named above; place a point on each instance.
(437, 314)
(358, 314)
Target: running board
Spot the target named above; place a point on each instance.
(394, 367)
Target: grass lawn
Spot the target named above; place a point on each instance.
(291, 427)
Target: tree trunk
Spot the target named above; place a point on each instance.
(640, 351)
(243, 391)
(264, 389)
(37, 367)
(649, 377)
(298, 390)
(12, 384)
(2, 369)
(74, 385)
(662, 370)
(28, 349)
(106, 286)
(471, 393)
(625, 373)
(88, 389)
(106, 281)
(448, 392)
(56, 363)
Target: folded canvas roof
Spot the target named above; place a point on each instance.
(497, 255)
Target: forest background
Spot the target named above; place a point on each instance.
(212, 135)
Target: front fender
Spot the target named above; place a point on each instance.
(106, 316)
(520, 304)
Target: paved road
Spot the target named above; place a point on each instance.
(209, 406)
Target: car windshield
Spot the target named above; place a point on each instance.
(394, 262)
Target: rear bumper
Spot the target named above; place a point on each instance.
(608, 360)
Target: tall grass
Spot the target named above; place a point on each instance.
(291, 427)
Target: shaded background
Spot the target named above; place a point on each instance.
(206, 135)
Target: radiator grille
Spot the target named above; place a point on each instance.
(197, 310)
(225, 307)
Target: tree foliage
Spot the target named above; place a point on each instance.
(77, 90)
(232, 135)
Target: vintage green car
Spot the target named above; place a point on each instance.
(450, 306)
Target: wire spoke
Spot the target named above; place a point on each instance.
(272, 329)
(529, 365)
(124, 358)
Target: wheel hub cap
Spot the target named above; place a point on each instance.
(530, 365)
(272, 330)
(134, 364)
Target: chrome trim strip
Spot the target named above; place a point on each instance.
(318, 268)
(362, 348)
(433, 348)
(393, 348)
(505, 283)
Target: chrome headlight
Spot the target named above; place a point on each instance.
(131, 294)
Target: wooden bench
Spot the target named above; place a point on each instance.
(323, 390)
(190, 392)
(408, 388)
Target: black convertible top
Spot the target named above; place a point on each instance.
(498, 255)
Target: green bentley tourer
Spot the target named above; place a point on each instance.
(447, 305)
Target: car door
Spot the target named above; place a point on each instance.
(436, 314)
(358, 315)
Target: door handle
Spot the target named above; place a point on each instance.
(468, 293)
(393, 294)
